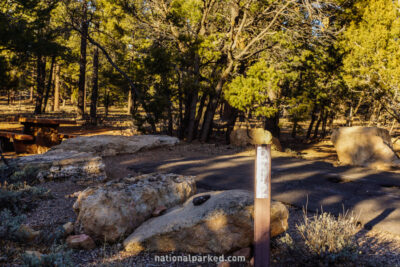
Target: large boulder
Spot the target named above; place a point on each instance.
(364, 146)
(60, 164)
(113, 210)
(256, 136)
(222, 224)
(111, 145)
(81, 157)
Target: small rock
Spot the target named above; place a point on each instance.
(26, 233)
(246, 252)
(200, 200)
(159, 210)
(75, 194)
(68, 228)
(80, 241)
(35, 253)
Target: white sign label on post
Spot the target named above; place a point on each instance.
(262, 168)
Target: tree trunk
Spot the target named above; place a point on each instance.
(232, 116)
(193, 104)
(129, 80)
(129, 107)
(349, 119)
(170, 120)
(82, 64)
(95, 87)
(106, 103)
(56, 104)
(331, 120)
(272, 124)
(199, 114)
(180, 100)
(313, 118)
(49, 83)
(192, 115)
(40, 83)
(209, 116)
(294, 129)
(316, 129)
(324, 124)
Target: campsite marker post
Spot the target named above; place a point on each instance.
(262, 206)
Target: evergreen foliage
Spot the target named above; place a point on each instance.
(174, 63)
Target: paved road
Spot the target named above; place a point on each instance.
(372, 195)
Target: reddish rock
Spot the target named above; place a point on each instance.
(80, 241)
(159, 210)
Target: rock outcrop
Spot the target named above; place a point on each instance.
(222, 224)
(111, 145)
(61, 164)
(364, 146)
(113, 210)
(256, 136)
(81, 157)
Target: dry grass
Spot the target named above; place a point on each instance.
(324, 235)
(321, 240)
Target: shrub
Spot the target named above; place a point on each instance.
(27, 174)
(20, 197)
(9, 224)
(323, 240)
(329, 238)
(58, 257)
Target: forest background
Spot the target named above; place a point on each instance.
(186, 67)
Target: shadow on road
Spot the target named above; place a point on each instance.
(373, 195)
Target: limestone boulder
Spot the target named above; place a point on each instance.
(256, 136)
(364, 146)
(222, 224)
(81, 157)
(113, 210)
(111, 145)
(60, 164)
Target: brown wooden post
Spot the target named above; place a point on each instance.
(262, 206)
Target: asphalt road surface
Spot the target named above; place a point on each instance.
(372, 196)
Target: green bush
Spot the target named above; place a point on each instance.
(21, 197)
(58, 257)
(27, 174)
(9, 224)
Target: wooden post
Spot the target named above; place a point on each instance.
(262, 206)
